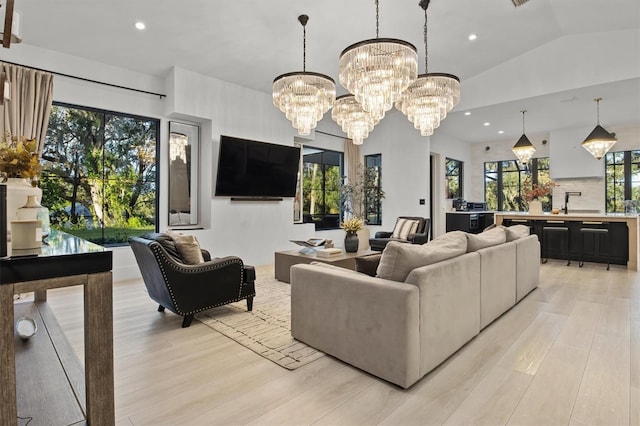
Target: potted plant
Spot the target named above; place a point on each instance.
(361, 191)
(533, 195)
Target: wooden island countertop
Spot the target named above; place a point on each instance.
(630, 220)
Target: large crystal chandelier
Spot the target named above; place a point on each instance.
(427, 100)
(355, 122)
(523, 149)
(304, 96)
(378, 70)
(599, 141)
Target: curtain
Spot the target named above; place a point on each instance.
(353, 162)
(26, 114)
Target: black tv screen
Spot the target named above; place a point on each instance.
(249, 168)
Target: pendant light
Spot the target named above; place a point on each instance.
(304, 96)
(599, 141)
(378, 70)
(523, 149)
(355, 122)
(427, 100)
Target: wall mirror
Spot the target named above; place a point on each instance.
(183, 174)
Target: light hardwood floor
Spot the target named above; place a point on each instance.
(569, 353)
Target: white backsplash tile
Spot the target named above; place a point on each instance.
(591, 200)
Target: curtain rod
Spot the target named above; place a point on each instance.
(89, 80)
(331, 134)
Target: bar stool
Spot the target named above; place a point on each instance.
(553, 227)
(595, 229)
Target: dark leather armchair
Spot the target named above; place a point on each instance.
(187, 289)
(421, 235)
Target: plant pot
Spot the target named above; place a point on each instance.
(351, 242)
(363, 238)
(535, 207)
(18, 190)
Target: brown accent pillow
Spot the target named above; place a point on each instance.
(368, 264)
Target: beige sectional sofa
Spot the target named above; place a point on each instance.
(424, 304)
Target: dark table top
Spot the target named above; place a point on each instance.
(60, 255)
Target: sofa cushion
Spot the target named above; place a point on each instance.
(166, 242)
(399, 259)
(489, 238)
(403, 228)
(516, 232)
(368, 264)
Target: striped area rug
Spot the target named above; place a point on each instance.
(267, 329)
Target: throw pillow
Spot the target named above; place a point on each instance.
(188, 247)
(399, 259)
(489, 238)
(368, 264)
(403, 228)
(515, 232)
(167, 243)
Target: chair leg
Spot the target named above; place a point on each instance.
(186, 322)
(249, 304)
(160, 308)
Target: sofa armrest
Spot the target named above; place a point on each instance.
(383, 234)
(368, 322)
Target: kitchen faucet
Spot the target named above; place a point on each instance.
(566, 199)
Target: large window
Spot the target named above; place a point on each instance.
(622, 179)
(321, 177)
(453, 176)
(99, 176)
(373, 181)
(506, 181)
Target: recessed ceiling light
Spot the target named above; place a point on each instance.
(467, 113)
(487, 124)
(500, 132)
(473, 37)
(140, 25)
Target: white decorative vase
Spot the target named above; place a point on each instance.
(363, 238)
(535, 207)
(18, 190)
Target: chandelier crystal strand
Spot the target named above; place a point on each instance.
(355, 121)
(377, 71)
(431, 96)
(304, 96)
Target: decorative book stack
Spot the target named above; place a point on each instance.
(328, 252)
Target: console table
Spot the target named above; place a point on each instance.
(64, 260)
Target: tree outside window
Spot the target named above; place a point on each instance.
(321, 178)
(622, 180)
(99, 173)
(453, 177)
(373, 190)
(505, 183)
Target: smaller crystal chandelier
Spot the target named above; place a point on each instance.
(427, 100)
(355, 122)
(599, 141)
(304, 96)
(523, 149)
(378, 70)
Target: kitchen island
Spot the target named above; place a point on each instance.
(623, 234)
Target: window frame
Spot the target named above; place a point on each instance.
(324, 220)
(459, 165)
(374, 215)
(156, 124)
(627, 179)
(531, 170)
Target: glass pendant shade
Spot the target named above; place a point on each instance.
(431, 96)
(377, 71)
(524, 149)
(427, 100)
(304, 97)
(355, 121)
(599, 142)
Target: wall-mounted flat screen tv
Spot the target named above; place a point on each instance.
(248, 168)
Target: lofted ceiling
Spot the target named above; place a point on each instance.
(249, 42)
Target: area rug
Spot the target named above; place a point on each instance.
(267, 329)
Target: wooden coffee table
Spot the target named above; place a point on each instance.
(284, 260)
